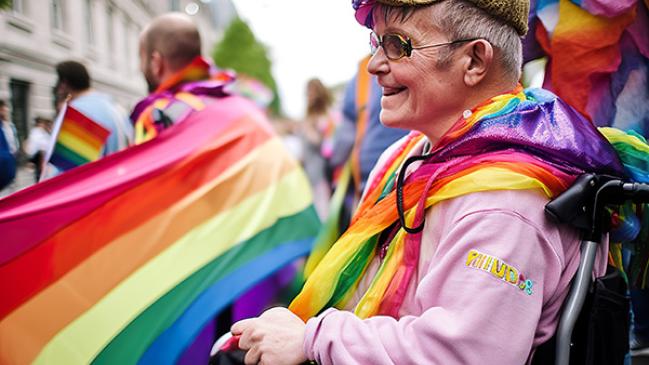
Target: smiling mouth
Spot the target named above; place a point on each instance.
(389, 91)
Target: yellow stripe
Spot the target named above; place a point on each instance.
(73, 143)
(192, 100)
(485, 179)
(83, 134)
(614, 135)
(92, 331)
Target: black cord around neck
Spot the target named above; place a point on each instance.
(400, 180)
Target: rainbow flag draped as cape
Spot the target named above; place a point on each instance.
(124, 260)
(79, 140)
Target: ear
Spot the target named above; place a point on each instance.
(480, 55)
(157, 64)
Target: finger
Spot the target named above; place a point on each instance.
(248, 338)
(245, 342)
(252, 356)
(241, 326)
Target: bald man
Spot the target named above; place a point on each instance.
(167, 45)
(188, 96)
(170, 60)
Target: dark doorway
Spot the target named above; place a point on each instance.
(19, 106)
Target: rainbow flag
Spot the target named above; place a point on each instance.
(125, 260)
(598, 57)
(79, 140)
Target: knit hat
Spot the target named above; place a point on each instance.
(512, 12)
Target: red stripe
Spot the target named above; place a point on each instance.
(67, 248)
(81, 135)
(90, 126)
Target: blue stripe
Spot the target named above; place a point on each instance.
(169, 346)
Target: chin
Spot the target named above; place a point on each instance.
(394, 119)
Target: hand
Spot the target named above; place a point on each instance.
(275, 337)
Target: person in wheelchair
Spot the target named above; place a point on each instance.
(449, 258)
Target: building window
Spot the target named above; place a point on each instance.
(57, 14)
(90, 29)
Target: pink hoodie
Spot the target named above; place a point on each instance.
(472, 301)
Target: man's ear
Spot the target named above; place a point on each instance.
(157, 64)
(480, 55)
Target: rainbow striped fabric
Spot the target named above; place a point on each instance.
(598, 54)
(125, 260)
(79, 140)
(509, 142)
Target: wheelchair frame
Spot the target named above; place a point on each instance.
(583, 206)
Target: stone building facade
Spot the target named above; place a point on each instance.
(102, 34)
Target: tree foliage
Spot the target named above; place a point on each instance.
(240, 51)
(5, 4)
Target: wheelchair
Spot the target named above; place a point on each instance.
(594, 324)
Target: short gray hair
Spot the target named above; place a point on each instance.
(460, 19)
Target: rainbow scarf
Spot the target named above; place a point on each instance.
(519, 140)
(199, 78)
(125, 260)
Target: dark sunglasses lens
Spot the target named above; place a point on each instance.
(374, 42)
(394, 46)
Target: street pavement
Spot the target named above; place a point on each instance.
(24, 178)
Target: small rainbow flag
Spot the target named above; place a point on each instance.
(125, 260)
(79, 140)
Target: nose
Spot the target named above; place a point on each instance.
(378, 63)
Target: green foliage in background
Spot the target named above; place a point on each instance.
(5, 4)
(240, 51)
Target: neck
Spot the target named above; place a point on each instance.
(198, 69)
(78, 93)
(475, 96)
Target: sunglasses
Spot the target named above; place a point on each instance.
(396, 46)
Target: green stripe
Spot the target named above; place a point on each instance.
(129, 345)
(70, 155)
(352, 272)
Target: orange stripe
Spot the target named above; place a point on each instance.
(31, 326)
(82, 134)
(363, 89)
(86, 123)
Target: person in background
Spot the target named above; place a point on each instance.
(361, 132)
(317, 130)
(361, 138)
(450, 258)
(74, 82)
(37, 143)
(8, 150)
(184, 86)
